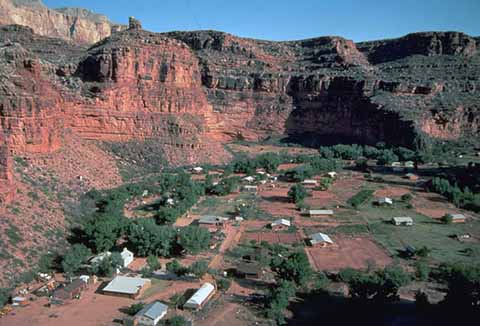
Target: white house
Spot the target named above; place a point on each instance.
(151, 314)
(407, 221)
(317, 212)
(280, 224)
(249, 179)
(309, 182)
(384, 201)
(332, 174)
(197, 170)
(127, 257)
(320, 239)
(200, 297)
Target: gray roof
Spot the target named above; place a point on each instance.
(457, 216)
(199, 297)
(209, 219)
(403, 219)
(153, 310)
(320, 212)
(320, 237)
(127, 285)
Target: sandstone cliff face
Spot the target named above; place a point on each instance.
(74, 24)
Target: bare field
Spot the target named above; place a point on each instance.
(348, 252)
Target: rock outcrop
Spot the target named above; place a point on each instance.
(193, 91)
(73, 24)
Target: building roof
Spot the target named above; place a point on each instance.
(249, 268)
(199, 297)
(385, 200)
(209, 219)
(249, 179)
(75, 284)
(309, 181)
(281, 221)
(320, 212)
(101, 256)
(319, 238)
(126, 285)
(403, 219)
(153, 310)
(126, 253)
(197, 168)
(249, 187)
(457, 216)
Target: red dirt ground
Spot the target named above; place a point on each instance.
(348, 252)
(392, 192)
(433, 205)
(320, 199)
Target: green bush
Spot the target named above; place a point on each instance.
(361, 197)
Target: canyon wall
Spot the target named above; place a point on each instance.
(75, 24)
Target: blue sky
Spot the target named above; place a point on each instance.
(293, 19)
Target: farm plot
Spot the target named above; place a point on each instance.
(272, 237)
(356, 253)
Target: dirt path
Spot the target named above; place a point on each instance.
(233, 235)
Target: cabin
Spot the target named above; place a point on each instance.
(280, 224)
(309, 183)
(249, 179)
(402, 221)
(320, 239)
(384, 201)
(252, 189)
(129, 287)
(197, 170)
(150, 315)
(201, 297)
(411, 176)
(70, 291)
(317, 212)
(457, 218)
(249, 270)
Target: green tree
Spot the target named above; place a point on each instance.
(177, 321)
(46, 263)
(296, 268)
(297, 193)
(447, 219)
(4, 296)
(199, 268)
(278, 299)
(74, 258)
(103, 231)
(463, 283)
(223, 284)
(149, 238)
(176, 268)
(386, 157)
(107, 266)
(134, 308)
(422, 270)
(193, 239)
(153, 263)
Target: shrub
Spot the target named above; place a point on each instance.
(447, 219)
(297, 193)
(361, 197)
(134, 308)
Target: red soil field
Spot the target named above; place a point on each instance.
(391, 192)
(347, 252)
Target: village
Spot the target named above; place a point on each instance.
(341, 218)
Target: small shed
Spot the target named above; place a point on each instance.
(127, 257)
(248, 188)
(151, 314)
(197, 170)
(199, 298)
(384, 201)
(99, 258)
(318, 212)
(249, 270)
(409, 164)
(211, 220)
(309, 182)
(405, 221)
(457, 218)
(280, 224)
(249, 179)
(411, 176)
(332, 174)
(320, 239)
